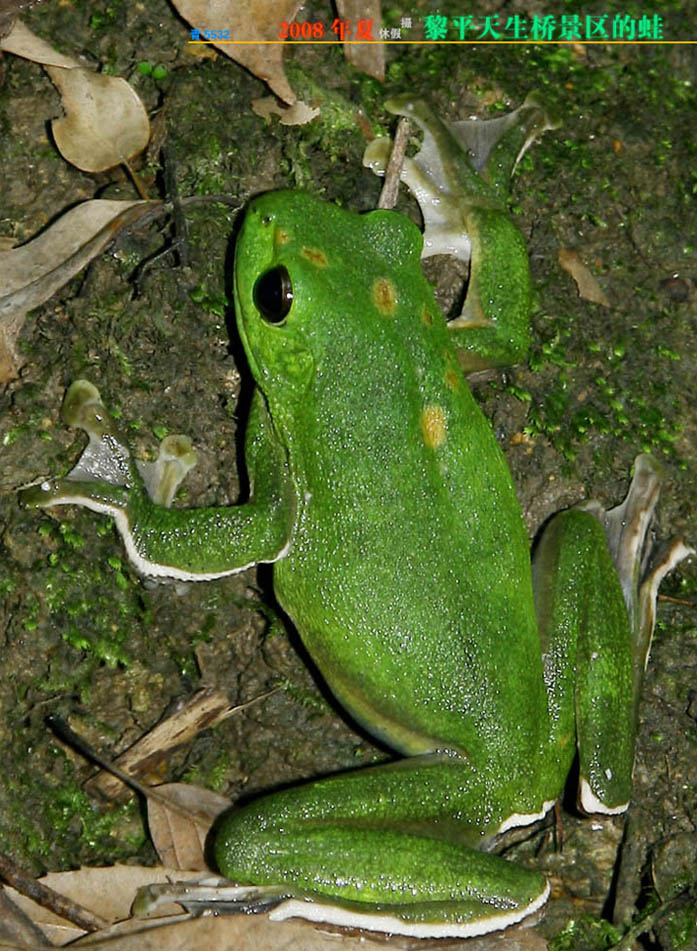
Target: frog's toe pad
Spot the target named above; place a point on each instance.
(105, 470)
(163, 477)
(589, 803)
(377, 154)
(106, 458)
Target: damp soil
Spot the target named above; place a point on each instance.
(150, 323)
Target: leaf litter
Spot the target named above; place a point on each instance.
(106, 124)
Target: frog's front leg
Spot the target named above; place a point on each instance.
(460, 180)
(391, 848)
(595, 617)
(174, 544)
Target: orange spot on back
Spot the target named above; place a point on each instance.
(281, 236)
(315, 256)
(385, 296)
(452, 379)
(433, 426)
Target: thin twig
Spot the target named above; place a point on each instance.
(64, 732)
(393, 172)
(47, 898)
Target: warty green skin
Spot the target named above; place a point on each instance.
(382, 497)
(380, 494)
(408, 577)
(393, 538)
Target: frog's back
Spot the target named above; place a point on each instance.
(408, 572)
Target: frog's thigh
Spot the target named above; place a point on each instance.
(383, 849)
(585, 640)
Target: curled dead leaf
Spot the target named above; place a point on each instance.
(369, 58)
(22, 42)
(247, 20)
(179, 833)
(297, 114)
(105, 123)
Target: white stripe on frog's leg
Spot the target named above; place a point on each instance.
(517, 819)
(385, 922)
(147, 569)
(247, 899)
(590, 803)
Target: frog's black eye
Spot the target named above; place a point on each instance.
(273, 294)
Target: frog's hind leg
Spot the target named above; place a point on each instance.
(388, 848)
(639, 570)
(596, 610)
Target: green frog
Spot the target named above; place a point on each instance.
(383, 500)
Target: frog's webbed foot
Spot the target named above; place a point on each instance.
(106, 476)
(640, 572)
(211, 894)
(460, 164)
(460, 180)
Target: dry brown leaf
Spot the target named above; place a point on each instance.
(247, 20)
(14, 875)
(226, 932)
(15, 923)
(203, 710)
(588, 287)
(22, 42)
(31, 273)
(10, 360)
(105, 123)
(9, 11)
(179, 838)
(368, 57)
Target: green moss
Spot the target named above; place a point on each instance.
(76, 598)
(107, 17)
(68, 821)
(309, 699)
(585, 933)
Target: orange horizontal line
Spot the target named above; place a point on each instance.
(451, 42)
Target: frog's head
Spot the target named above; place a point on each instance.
(306, 274)
(279, 354)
